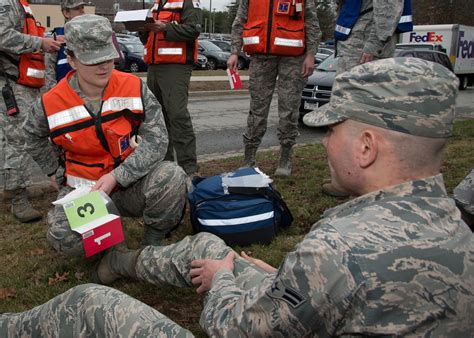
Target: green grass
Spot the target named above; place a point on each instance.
(27, 262)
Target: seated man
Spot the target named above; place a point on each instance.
(112, 136)
(397, 260)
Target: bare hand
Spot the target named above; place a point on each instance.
(366, 57)
(157, 26)
(203, 270)
(49, 45)
(258, 262)
(232, 62)
(308, 65)
(106, 183)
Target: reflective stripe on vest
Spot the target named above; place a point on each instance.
(67, 116)
(173, 5)
(37, 73)
(239, 220)
(170, 51)
(406, 20)
(251, 40)
(288, 42)
(121, 103)
(347, 18)
(76, 182)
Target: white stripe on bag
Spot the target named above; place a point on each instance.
(240, 220)
(406, 18)
(342, 29)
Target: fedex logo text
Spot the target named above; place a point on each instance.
(429, 37)
(465, 47)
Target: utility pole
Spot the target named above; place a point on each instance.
(210, 18)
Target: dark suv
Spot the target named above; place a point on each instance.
(317, 91)
(216, 57)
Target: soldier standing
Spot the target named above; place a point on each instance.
(56, 63)
(170, 51)
(397, 260)
(22, 44)
(113, 137)
(282, 38)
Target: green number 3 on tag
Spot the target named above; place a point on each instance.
(85, 209)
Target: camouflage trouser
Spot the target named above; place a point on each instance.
(160, 197)
(90, 311)
(170, 84)
(15, 157)
(172, 264)
(464, 193)
(263, 73)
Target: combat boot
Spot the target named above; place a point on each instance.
(284, 168)
(118, 262)
(249, 155)
(21, 206)
(151, 236)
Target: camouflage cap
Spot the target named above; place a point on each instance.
(407, 95)
(68, 4)
(90, 38)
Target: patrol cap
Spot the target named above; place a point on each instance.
(408, 95)
(90, 38)
(68, 4)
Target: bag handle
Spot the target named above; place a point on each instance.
(265, 191)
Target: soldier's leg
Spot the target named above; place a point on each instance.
(159, 197)
(90, 310)
(59, 234)
(290, 87)
(17, 160)
(171, 264)
(173, 80)
(153, 85)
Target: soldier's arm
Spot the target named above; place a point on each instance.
(190, 26)
(50, 60)
(309, 295)
(11, 40)
(326, 10)
(37, 144)
(153, 147)
(386, 17)
(238, 27)
(311, 26)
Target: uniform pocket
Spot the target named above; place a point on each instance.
(254, 37)
(288, 41)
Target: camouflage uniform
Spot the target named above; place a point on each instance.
(263, 73)
(395, 261)
(464, 197)
(90, 311)
(12, 44)
(152, 188)
(169, 82)
(373, 33)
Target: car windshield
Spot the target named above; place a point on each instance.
(136, 48)
(209, 45)
(328, 65)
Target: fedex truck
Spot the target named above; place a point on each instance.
(456, 40)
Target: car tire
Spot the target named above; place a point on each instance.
(241, 64)
(134, 67)
(212, 63)
(463, 82)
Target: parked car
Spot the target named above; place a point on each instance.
(201, 62)
(244, 59)
(132, 61)
(216, 57)
(317, 91)
(322, 54)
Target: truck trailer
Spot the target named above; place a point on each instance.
(456, 40)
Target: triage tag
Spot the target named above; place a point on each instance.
(85, 209)
(283, 7)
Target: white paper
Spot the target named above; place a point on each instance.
(76, 193)
(258, 180)
(138, 15)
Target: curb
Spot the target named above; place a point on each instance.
(219, 92)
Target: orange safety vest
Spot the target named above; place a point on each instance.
(31, 67)
(157, 49)
(94, 144)
(275, 27)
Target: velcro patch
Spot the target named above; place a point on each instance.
(281, 291)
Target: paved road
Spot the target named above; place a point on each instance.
(220, 118)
